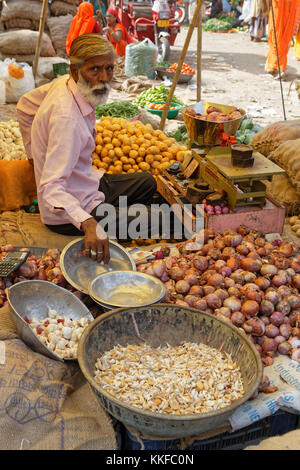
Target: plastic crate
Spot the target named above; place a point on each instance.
(276, 425)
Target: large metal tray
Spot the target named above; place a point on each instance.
(126, 289)
(158, 325)
(33, 299)
(80, 270)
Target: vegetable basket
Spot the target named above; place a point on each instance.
(208, 132)
(172, 113)
(158, 325)
(183, 77)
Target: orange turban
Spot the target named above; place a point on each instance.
(82, 23)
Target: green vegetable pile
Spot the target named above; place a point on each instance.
(157, 93)
(246, 131)
(223, 23)
(118, 109)
(163, 64)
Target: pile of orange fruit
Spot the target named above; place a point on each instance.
(123, 146)
(184, 69)
(159, 106)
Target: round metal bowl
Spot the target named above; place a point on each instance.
(158, 325)
(126, 289)
(33, 299)
(183, 77)
(80, 270)
(207, 132)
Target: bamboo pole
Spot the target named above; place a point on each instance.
(179, 66)
(199, 54)
(39, 43)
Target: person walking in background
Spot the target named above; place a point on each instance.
(286, 17)
(116, 33)
(82, 23)
(259, 19)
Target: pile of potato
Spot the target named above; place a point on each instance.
(123, 146)
(295, 224)
(11, 143)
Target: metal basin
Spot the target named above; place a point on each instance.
(158, 325)
(207, 132)
(32, 299)
(126, 289)
(183, 77)
(80, 270)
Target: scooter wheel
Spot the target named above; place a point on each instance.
(164, 49)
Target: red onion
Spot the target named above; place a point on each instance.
(294, 316)
(208, 290)
(224, 311)
(196, 290)
(159, 268)
(225, 271)
(182, 287)
(296, 281)
(272, 296)
(182, 303)
(237, 318)
(259, 241)
(250, 308)
(262, 282)
(176, 273)
(267, 360)
(237, 276)
(259, 348)
(215, 280)
(293, 300)
(284, 291)
(277, 318)
(254, 295)
(242, 249)
(284, 307)
(170, 261)
(164, 277)
(7, 248)
(149, 270)
(269, 344)
(266, 307)
(200, 263)
(191, 299)
(272, 331)
(261, 251)
(233, 303)
(284, 348)
(222, 293)
(28, 270)
(233, 263)
(228, 282)
(279, 280)
(286, 249)
(227, 253)
(41, 275)
(159, 255)
(219, 264)
(258, 327)
(294, 342)
(265, 319)
(219, 244)
(254, 255)
(250, 264)
(249, 286)
(247, 328)
(248, 276)
(200, 304)
(279, 339)
(285, 330)
(296, 332)
(295, 355)
(233, 240)
(295, 265)
(192, 279)
(213, 301)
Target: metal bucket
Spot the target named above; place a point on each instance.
(207, 132)
(158, 325)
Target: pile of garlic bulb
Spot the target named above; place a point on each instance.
(11, 143)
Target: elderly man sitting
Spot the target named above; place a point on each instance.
(57, 124)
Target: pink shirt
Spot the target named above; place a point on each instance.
(57, 126)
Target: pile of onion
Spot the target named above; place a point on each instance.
(240, 277)
(45, 268)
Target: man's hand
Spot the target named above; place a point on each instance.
(96, 248)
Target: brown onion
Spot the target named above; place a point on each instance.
(182, 287)
(286, 249)
(242, 249)
(228, 282)
(182, 303)
(293, 300)
(208, 290)
(200, 304)
(191, 299)
(219, 264)
(222, 293)
(279, 280)
(284, 291)
(296, 281)
(224, 311)
(227, 253)
(213, 301)
(192, 279)
(196, 290)
(215, 280)
(262, 282)
(254, 295)
(248, 276)
(176, 273)
(200, 263)
(233, 291)
(295, 265)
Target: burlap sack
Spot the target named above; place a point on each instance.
(59, 8)
(24, 42)
(19, 23)
(45, 66)
(26, 9)
(46, 404)
(20, 58)
(289, 441)
(283, 191)
(269, 138)
(19, 228)
(59, 27)
(287, 155)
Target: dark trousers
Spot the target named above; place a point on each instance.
(138, 187)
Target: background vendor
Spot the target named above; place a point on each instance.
(116, 33)
(57, 123)
(82, 23)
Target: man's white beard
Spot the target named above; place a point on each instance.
(88, 92)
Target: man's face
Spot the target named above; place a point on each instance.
(94, 77)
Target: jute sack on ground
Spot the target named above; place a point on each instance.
(59, 8)
(287, 156)
(283, 191)
(46, 404)
(59, 28)
(26, 9)
(19, 228)
(269, 138)
(24, 42)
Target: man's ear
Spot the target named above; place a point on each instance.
(74, 72)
